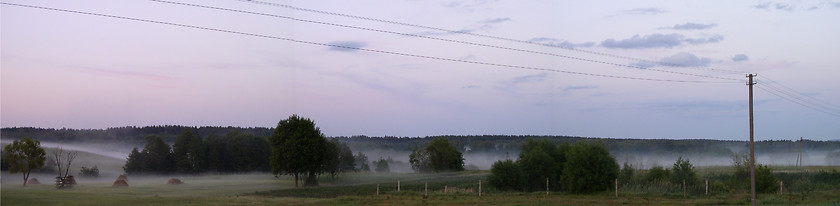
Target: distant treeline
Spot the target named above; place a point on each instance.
(467, 144)
(122, 134)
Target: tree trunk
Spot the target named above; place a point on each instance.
(311, 179)
(26, 177)
(296, 179)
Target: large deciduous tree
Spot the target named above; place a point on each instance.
(589, 168)
(24, 155)
(438, 156)
(296, 148)
(189, 153)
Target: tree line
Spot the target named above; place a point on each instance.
(234, 151)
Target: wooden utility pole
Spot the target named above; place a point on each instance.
(750, 83)
(799, 157)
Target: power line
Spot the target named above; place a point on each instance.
(826, 104)
(442, 39)
(359, 49)
(489, 36)
(797, 102)
(803, 100)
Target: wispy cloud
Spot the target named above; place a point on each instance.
(530, 78)
(560, 43)
(682, 59)
(133, 74)
(658, 41)
(646, 11)
(691, 26)
(496, 20)
(347, 46)
(582, 87)
(468, 5)
(740, 58)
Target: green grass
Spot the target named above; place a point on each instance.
(354, 189)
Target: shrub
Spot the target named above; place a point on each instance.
(626, 174)
(506, 175)
(657, 173)
(89, 172)
(683, 170)
(589, 168)
(765, 182)
(381, 165)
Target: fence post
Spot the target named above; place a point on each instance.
(377, 189)
(398, 185)
(616, 187)
(427, 190)
(781, 187)
(707, 187)
(684, 188)
(479, 188)
(445, 187)
(546, 186)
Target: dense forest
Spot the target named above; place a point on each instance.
(497, 144)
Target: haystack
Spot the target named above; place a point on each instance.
(174, 181)
(122, 177)
(120, 183)
(33, 181)
(69, 180)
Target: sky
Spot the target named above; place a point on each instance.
(617, 69)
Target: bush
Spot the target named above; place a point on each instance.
(381, 165)
(765, 182)
(540, 160)
(683, 170)
(626, 174)
(89, 172)
(657, 173)
(506, 175)
(589, 168)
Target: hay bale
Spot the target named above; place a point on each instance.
(120, 183)
(70, 180)
(122, 177)
(33, 181)
(174, 181)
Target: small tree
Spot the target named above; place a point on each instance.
(361, 160)
(589, 168)
(683, 170)
(626, 173)
(765, 181)
(657, 173)
(439, 155)
(24, 155)
(296, 148)
(506, 175)
(89, 172)
(382, 165)
(63, 159)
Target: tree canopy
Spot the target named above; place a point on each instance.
(589, 168)
(437, 156)
(297, 147)
(24, 155)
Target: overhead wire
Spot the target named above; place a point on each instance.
(443, 39)
(797, 102)
(490, 37)
(800, 98)
(771, 82)
(356, 48)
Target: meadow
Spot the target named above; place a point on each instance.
(360, 189)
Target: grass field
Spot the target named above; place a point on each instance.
(353, 189)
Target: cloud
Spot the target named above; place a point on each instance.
(468, 5)
(648, 41)
(646, 11)
(657, 41)
(496, 20)
(692, 26)
(347, 46)
(740, 57)
(560, 43)
(147, 76)
(584, 87)
(713, 39)
(684, 59)
(780, 6)
(530, 78)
